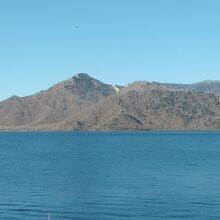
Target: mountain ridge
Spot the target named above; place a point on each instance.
(84, 103)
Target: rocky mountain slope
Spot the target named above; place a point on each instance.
(84, 103)
(47, 109)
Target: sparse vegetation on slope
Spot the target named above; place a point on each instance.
(84, 103)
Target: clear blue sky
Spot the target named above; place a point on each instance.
(116, 41)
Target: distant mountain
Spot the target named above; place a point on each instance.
(84, 103)
(207, 86)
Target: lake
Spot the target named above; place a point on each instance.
(110, 175)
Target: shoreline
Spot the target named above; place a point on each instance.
(123, 130)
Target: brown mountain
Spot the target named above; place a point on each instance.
(84, 103)
(47, 109)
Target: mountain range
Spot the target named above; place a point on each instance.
(85, 103)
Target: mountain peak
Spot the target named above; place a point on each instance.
(86, 87)
(81, 75)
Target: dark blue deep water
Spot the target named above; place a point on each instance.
(109, 175)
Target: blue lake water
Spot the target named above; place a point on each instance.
(109, 175)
